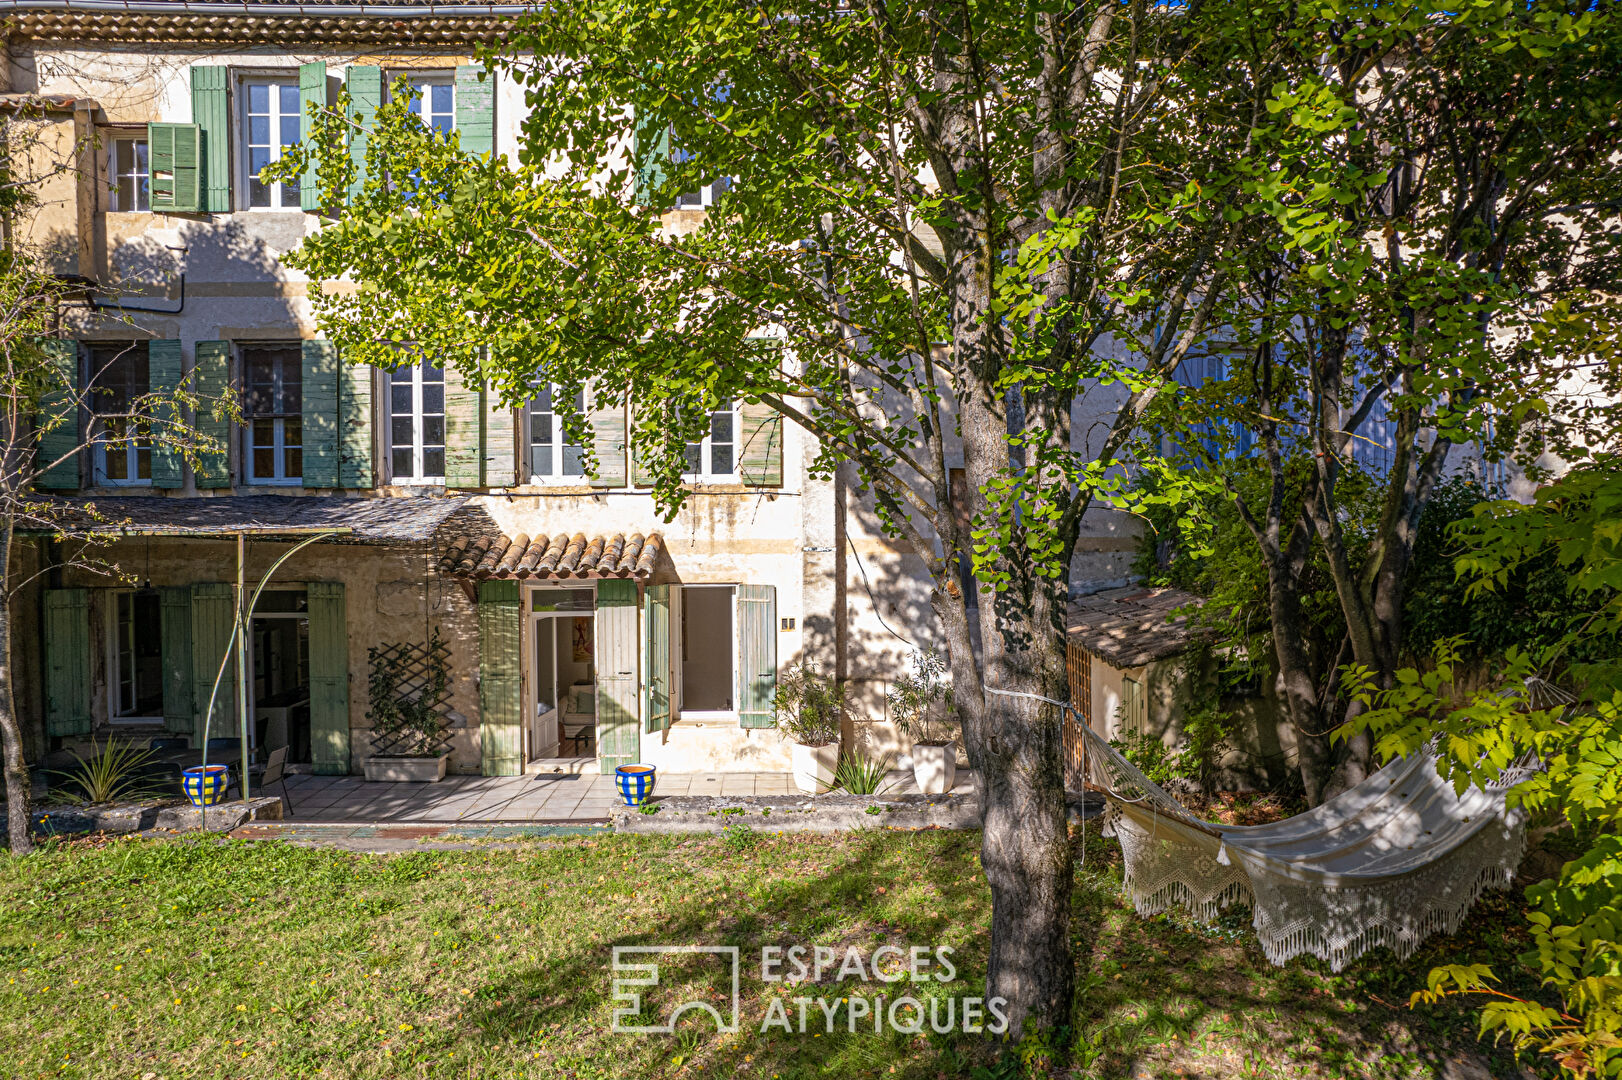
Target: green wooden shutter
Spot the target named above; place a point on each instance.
(320, 415)
(58, 453)
(757, 655)
(164, 375)
(650, 157)
(67, 662)
(659, 679)
(179, 699)
(329, 679)
(365, 97)
(760, 457)
(211, 112)
(175, 157)
(312, 90)
(500, 464)
(464, 431)
(355, 408)
(619, 742)
(608, 443)
(213, 620)
(500, 679)
(211, 369)
(475, 110)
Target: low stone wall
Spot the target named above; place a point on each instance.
(817, 814)
(143, 817)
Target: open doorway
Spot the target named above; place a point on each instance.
(280, 633)
(563, 673)
(708, 648)
(135, 658)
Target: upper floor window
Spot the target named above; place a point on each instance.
(716, 456)
(417, 423)
(270, 124)
(436, 99)
(129, 176)
(119, 377)
(273, 401)
(551, 457)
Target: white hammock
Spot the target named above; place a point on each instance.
(1390, 862)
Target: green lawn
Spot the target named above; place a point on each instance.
(151, 959)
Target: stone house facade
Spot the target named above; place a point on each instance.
(582, 630)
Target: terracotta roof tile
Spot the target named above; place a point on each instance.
(563, 555)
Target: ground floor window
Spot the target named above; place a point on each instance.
(135, 656)
(708, 649)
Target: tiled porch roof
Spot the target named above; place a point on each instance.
(562, 556)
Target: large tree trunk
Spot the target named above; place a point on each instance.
(1014, 743)
(11, 736)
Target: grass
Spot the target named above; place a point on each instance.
(165, 959)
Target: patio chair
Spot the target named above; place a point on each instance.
(169, 742)
(275, 771)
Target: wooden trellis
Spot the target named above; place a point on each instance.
(413, 679)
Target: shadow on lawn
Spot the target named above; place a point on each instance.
(843, 893)
(1155, 997)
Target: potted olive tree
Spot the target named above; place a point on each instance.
(809, 706)
(921, 706)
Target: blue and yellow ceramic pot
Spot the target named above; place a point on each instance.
(636, 782)
(205, 784)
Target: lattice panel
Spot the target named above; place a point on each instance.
(416, 679)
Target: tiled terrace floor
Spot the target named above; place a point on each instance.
(554, 797)
(532, 798)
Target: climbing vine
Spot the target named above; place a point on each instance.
(408, 686)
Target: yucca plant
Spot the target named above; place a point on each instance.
(116, 770)
(860, 775)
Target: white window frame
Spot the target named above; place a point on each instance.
(279, 444)
(423, 78)
(556, 476)
(706, 474)
(243, 127)
(419, 420)
(115, 670)
(131, 448)
(143, 179)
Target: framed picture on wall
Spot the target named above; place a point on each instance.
(582, 640)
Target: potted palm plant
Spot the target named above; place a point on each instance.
(809, 706)
(921, 706)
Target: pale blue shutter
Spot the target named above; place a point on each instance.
(211, 112)
(619, 742)
(501, 679)
(475, 110)
(67, 662)
(757, 655)
(365, 96)
(164, 374)
(329, 679)
(312, 91)
(320, 415)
